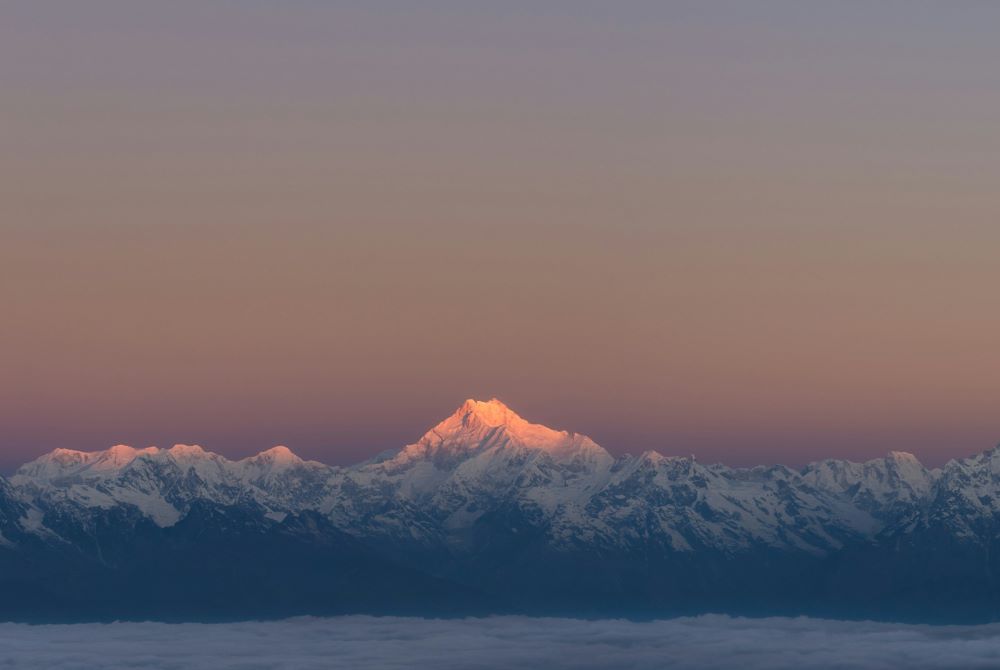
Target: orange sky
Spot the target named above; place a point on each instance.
(756, 236)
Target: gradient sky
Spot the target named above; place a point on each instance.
(755, 232)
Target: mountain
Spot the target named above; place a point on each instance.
(488, 512)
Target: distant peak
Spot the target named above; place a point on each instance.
(484, 424)
(60, 452)
(117, 456)
(189, 450)
(279, 454)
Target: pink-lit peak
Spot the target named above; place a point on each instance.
(481, 424)
(278, 454)
(490, 412)
(186, 450)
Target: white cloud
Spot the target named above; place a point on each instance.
(700, 643)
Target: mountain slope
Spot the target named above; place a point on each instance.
(10, 513)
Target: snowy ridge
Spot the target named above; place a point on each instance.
(485, 459)
(162, 483)
(881, 486)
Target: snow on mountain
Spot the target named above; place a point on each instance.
(482, 456)
(881, 486)
(478, 426)
(63, 465)
(10, 512)
(684, 505)
(485, 449)
(162, 483)
(965, 499)
(485, 458)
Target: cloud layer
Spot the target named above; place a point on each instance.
(707, 642)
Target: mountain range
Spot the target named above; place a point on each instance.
(489, 513)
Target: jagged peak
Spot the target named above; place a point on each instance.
(985, 455)
(118, 456)
(653, 456)
(478, 425)
(898, 457)
(491, 412)
(478, 416)
(187, 450)
(60, 461)
(60, 451)
(278, 451)
(278, 454)
(119, 452)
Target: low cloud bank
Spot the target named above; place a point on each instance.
(699, 643)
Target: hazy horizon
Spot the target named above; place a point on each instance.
(237, 455)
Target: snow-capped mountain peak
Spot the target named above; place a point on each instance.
(276, 459)
(62, 463)
(479, 426)
(475, 416)
(278, 455)
(187, 451)
(879, 486)
(491, 412)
